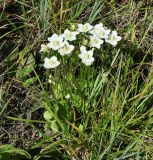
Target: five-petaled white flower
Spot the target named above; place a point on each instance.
(95, 42)
(55, 42)
(44, 48)
(100, 31)
(86, 56)
(84, 27)
(113, 38)
(51, 62)
(70, 36)
(66, 49)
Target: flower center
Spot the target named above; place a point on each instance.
(94, 40)
(102, 33)
(52, 62)
(112, 38)
(65, 48)
(68, 36)
(85, 27)
(86, 56)
(56, 43)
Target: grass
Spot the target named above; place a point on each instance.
(109, 115)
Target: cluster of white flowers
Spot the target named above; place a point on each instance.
(95, 36)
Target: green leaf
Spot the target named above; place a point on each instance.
(5, 149)
(81, 127)
(24, 72)
(30, 81)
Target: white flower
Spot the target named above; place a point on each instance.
(67, 96)
(84, 27)
(44, 48)
(66, 49)
(70, 36)
(113, 38)
(49, 81)
(95, 42)
(86, 57)
(51, 62)
(100, 31)
(55, 42)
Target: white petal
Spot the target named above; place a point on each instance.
(80, 25)
(49, 45)
(90, 52)
(66, 31)
(54, 36)
(114, 33)
(88, 62)
(46, 59)
(99, 25)
(114, 43)
(57, 63)
(76, 33)
(71, 47)
(54, 58)
(92, 32)
(66, 43)
(97, 46)
(80, 56)
(60, 38)
(49, 39)
(82, 48)
(108, 31)
(118, 38)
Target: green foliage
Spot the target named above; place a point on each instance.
(23, 73)
(30, 81)
(7, 151)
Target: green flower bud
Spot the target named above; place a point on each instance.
(47, 115)
(73, 27)
(85, 42)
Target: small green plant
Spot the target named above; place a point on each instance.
(83, 41)
(90, 99)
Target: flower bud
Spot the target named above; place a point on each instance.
(47, 115)
(85, 42)
(73, 27)
(49, 81)
(67, 96)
